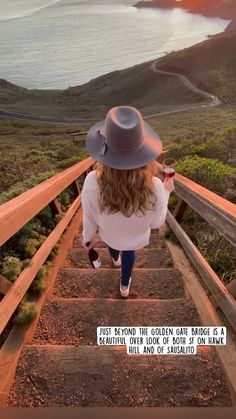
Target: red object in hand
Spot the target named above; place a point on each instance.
(168, 172)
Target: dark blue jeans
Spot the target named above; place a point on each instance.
(127, 262)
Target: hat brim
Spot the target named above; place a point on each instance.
(151, 149)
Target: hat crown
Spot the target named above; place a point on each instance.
(123, 140)
(124, 129)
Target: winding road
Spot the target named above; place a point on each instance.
(212, 101)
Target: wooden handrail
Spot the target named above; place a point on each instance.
(220, 203)
(15, 213)
(222, 296)
(17, 291)
(217, 211)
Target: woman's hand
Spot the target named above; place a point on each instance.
(169, 184)
(92, 244)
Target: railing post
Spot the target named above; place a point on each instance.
(180, 210)
(55, 207)
(75, 187)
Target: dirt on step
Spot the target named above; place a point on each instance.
(75, 321)
(106, 377)
(102, 283)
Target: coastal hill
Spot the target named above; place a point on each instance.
(224, 9)
(210, 65)
(137, 86)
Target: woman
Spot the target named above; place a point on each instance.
(122, 199)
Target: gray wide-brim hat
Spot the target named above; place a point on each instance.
(123, 140)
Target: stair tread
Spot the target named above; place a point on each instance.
(159, 283)
(145, 258)
(155, 241)
(152, 231)
(68, 376)
(75, 321)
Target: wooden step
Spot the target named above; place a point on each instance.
(49, 376)
(155, 241)
(145, 258)
(146, 283)
(153, 231)
(75, 321)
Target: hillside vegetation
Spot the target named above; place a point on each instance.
(207, 67)
(30, 153)
(137, 86)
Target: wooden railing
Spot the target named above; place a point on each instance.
(220, 214)
(20, 210)
(217, 211)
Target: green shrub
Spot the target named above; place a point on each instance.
(173, 199)
(42, 272)
(35, 234)
(69, 162)
(27, 311)
(26, 263)
(38, 286)
(222, 146)
(213, 145)
(32, 226)
(41, 239)
(34, 152)
(31, 246)
(30, 238)
(53, 253)
(46, 218)
(212, 174)
(65, 198)
(44, 230)
(11, 268)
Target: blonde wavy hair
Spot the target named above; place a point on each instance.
(128, 191)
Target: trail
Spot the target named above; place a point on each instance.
(212, 101)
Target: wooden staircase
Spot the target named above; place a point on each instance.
(64, 366)
(56, 362)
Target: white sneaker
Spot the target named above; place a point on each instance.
(117, 263)
(124, 290)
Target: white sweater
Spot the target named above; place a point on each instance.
(116, 230)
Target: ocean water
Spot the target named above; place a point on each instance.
(49, 44)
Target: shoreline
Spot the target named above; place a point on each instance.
(209, 8)
(11, 86)
(50, 79)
